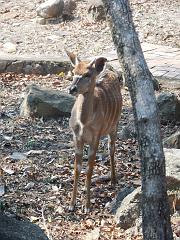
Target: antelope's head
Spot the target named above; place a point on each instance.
(84, 73)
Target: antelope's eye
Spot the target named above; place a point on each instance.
(87, 75)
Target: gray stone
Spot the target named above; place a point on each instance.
(3, 66)
(51, 9)
(33, 64)
(16, 66)
(12, 229)
(41, 20)
(37, 68)
(171, 83)
(169, 110)
(27, 69)
(173, 141)
(96, 10)
(45, 103)
(172, 162)
(119, 198)
(169, 107)
(129, 208)
(173, 177)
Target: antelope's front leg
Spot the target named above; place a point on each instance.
(77, 171)
(91, 159)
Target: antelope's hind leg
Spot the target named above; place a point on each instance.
(77, 170)
(111, 148)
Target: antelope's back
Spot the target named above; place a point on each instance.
(108, 95)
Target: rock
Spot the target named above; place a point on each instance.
(15, 66)
(51, 9)
(173, 193)
(169, 107)
(173, 141)
(96, 10)
(9, 47)
(173, 177)
(45, 103)
(119, 198)
(2, 66)
(129, 208)
(12, 229)
(41, 20)
(69, 7)
(29, 185)
(18, 156)
(172, 157)
(39, 65)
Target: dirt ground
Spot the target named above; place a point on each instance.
(36, 155)
(156, 22)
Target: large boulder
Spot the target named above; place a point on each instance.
(169, 107)
(50, 9)
(39, 102)
(129, 208)
(173, 141)
(12, 229)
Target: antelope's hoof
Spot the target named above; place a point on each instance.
(71, 208)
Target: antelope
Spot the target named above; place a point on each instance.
(95, 113)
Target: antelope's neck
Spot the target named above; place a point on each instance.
(86, 105)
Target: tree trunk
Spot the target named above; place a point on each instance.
(155, 207)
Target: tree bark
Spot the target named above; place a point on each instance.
(155, 207)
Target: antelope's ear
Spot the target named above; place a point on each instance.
(99, 64)
(73, 58)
